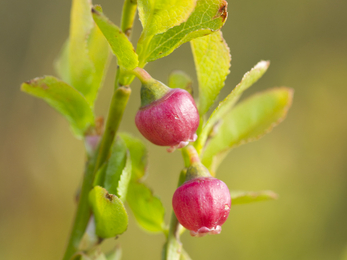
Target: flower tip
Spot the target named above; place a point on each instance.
(203, 231)
(182, 143)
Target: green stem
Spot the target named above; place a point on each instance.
(128, 16)
(118, 104)
(190, 155)
(82, 213)
(119, 101)
(174, 246)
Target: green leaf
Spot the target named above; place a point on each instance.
(184, 255)
(179, 79)
(248, 121)
(80, 65)
(212, 61)
(148, 209)
(89, 239)
(99, 179)
(99, 53)
(138, 154)
(116, 166)
(61, 65)
(95, 254)
(159, 15)
(115, 254)
(125, 177)
(207, 17)
(224, 106)
(84, 56)
(242, 197)
(119, 42)
(111, 218)
(65, 99)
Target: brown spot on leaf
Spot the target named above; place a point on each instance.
(44, 86)
(223, 12)
(108, 196)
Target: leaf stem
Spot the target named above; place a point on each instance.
(128, 16)
(118, 104)
(173, 245)
(119, 101)
(82, 213)
(190, 155)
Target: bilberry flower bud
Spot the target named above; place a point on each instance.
(167, 117)
(202, 203)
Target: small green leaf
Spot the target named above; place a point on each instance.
(65, 99)
(248, 121)
(115, 166)
(138, 154)
(212, 61)
(111, 218)
(119, 42)
(242, 197)
(159, 15)
(148, 209)
(224, 106)
(179, 79)
(89, 239)
(184, 255)
(99, 179)
(207, 17)
(94, 254)
(125, 177)
(115, 254)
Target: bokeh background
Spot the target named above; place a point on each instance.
(303, 159)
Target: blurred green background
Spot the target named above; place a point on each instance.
(303, 159)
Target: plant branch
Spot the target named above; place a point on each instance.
(128, 16)
(82, 213)
(174, 246)
(119, 101)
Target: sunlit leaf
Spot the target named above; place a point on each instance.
(65, 99)
(99, 53)
(242, 197)
(159, 15)
(224, 106)
(119, 42)
(212, 61)
(179, 79)
(207, 17)
(111, 218)
(61, 65)
(147, 208)
(80, 65)
(138, 154)
(248, 121)
(84, 56)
